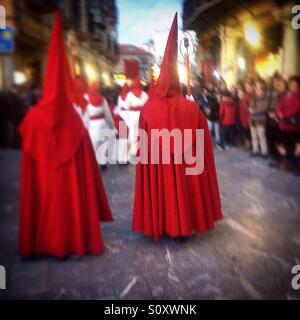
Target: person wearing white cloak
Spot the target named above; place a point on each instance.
(100, 119)
(135, 100)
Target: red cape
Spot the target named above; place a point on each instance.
(167, 201)
(80, 89)
(62, 196)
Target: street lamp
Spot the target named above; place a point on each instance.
(90, 72)
(19, 77)
(252, 34)
(241, 63)
(217, 74)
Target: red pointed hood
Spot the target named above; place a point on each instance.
(168, 83)
(166, 107)
(95, 95)
(52, 131)
(136, 87)
(57, 94)
(80, 89)
(124, 91)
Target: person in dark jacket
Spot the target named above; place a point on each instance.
(228, 116)
(210, 106)
(288, 113)
(279, 89)
(258, 118)
(12, 112)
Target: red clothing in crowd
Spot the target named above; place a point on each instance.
(228, 112)
(244, 111)
(288, 107)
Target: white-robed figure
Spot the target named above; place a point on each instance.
(121, 104)
(100, 118)
(135, 100)
(122, 154)
(80, 101)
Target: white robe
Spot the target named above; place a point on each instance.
(103, 149)
(132, 117)
(83, 115)
(121, 155)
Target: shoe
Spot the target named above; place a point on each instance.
(254, 154)
(220, 147)
(275, 165)
(265, 156)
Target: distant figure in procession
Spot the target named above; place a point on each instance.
(122, 155)
(131, 107)
(167, 200)
(80, 101)
(100, 118)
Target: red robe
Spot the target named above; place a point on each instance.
(244, 111)
(62, 196)
(167, 201)
(288, 107)
(80, 88)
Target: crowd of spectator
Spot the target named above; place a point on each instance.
(263, 116)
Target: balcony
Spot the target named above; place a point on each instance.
(195, 10)
(204, 16)
(48, 6)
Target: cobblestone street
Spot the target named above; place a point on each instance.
(249, 255)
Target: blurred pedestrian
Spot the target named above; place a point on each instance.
(12, 112)
(135, 100)
(228, 116)
(258, 118)
(244, 116)
(288, 113)
(100, 118)
(210, 106)
(279, 89)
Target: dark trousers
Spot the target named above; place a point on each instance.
(272, 138)
(228, 135)
(289, 139)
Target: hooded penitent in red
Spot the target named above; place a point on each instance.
(124, 91)
(167, 201)
(62, 195)
(95, 97)
(80, 89)
(136, 87)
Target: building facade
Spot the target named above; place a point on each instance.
(29, 31)
(91, 37)
(241, 38)
(143, 57)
